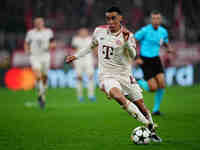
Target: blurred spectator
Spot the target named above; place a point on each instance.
(4, 65)
(137, 14)
(181, 17)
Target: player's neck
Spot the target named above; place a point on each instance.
(155, 27)
(40, 29)
(115, 32)
(83, 37)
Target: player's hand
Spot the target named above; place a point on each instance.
(69, 59)
(52, 45)
(126, 34)
(139, 61)
(170, 50)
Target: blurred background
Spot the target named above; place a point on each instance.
(67, 124)
(65, 17)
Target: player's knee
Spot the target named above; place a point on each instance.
(153, 87)
(115, 94)
(44, 78)
(38, 76)
(162, 85)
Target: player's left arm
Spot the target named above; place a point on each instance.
(52, 41)
(166, 43)
(27, 43)
(169, 47)
(129, 44)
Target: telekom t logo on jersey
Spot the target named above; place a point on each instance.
(107, 51)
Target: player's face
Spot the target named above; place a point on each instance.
(156, 20)
(39, 23)
(113, 19)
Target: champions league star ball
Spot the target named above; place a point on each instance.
(141, 135)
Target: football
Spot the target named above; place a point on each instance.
(141, 135)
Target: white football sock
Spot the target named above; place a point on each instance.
(91, 88)
(133, 110)
(150, 118)
(79, 88)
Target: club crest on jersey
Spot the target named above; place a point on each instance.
(118, 42)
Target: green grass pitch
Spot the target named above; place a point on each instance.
(66, 124)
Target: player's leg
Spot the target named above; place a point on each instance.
(113, 89)
(79, 81)
(148, 83)
(135, 95)
(146, 71)
(79, 87)
(143, 84)
(91, 88)
(152, 126)
(91, 84)
(40, 88)
(153, 85)
(159, 77)
(159, 93)
(37, 67)
(45, 60)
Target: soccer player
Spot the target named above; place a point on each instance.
(84, 64)
(151, 37)
(38, 42)
(116, 48)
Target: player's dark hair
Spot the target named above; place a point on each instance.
(36, 17)
(155, 12)
(114, 9)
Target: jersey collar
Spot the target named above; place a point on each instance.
(154, 28)
(117, 33)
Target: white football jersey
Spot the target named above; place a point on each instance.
(81, 43)
(111, 57)
(39, 40)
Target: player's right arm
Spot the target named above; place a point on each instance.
(26, 47)
(27, 43)
(84, 51)
(74, 43)
(52, 40)
(166, 43)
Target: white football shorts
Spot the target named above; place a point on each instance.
(41, 62)
(126, 84)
